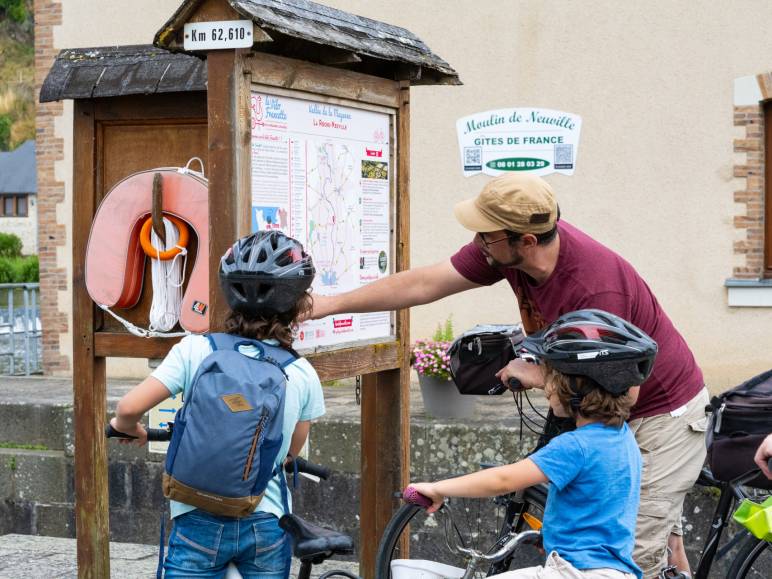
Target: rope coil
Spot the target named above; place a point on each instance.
(168, 275)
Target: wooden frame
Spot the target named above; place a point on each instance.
(767, 191)
(384, 366)
(385, 389)
(89, 379)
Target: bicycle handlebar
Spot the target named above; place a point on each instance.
(153, 434)
(412, 496)
(165, 434)
(307, 467)
(513, 384)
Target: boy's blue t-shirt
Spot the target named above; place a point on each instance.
(303, 401)
(592, 505)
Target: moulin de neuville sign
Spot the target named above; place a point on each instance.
(538, 141)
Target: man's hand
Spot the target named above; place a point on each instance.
(763, 454)
(323, 307)
(135, 429)
(428, 490)
(529, 375)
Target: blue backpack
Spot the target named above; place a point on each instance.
(227, 434)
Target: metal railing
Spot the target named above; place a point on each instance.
(20, 330)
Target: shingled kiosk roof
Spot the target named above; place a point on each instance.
(121, 70)
(307, 30)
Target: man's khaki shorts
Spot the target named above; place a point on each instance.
(555, 567)
(673, 451)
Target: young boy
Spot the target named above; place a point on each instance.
(590, 359)
(265, 278)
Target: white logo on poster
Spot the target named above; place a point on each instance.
(538, 141)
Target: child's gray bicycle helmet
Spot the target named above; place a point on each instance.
(265, 273)
(603, 347)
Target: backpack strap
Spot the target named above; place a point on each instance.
(278, 471)
(281, 357)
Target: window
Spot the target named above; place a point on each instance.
(13, 206)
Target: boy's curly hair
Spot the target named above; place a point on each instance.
(280, 327)
(595, 404)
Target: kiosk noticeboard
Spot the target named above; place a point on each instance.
(334, 173)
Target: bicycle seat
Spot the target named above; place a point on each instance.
(314, 542)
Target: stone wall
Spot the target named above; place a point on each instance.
(36, 473)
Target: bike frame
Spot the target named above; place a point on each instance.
(730, 492)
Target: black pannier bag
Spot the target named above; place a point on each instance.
(478, 354)
(741, 418)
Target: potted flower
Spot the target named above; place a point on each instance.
(431, 362)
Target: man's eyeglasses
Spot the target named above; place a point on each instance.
(487, 243)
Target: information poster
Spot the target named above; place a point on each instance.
(532, 140)
(321, 174)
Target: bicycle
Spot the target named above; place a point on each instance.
(311, 544)
(503, 519)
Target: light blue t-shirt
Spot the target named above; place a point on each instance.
(303, 401)
(592, 505)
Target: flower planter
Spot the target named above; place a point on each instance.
(442, 400)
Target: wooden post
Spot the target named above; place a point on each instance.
(386, 395)
(89, 380)
(222, 102)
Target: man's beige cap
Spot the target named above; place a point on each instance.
(517, 202)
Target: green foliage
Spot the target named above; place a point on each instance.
(29, 269)
(444, 332)
(10, 245)
(17, 73)
(22, 446)
(19, 269)
(5, 132)
(16, 10)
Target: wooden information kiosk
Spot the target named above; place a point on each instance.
(306, 126)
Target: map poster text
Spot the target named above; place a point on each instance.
(321, 173)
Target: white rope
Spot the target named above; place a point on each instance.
(168, 278)
(141, 332)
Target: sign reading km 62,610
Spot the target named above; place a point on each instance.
(538, 141)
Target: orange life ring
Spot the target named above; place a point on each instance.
(147, 246)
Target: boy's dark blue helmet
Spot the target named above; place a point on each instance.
(598, 345)
(265, 274)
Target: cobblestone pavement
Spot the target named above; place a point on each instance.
(31, 557)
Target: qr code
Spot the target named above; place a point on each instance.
(564, 156)
(472, 158)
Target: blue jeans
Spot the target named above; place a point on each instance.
(202, 545)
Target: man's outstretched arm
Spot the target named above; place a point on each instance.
(408, 288)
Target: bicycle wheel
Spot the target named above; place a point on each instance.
(479, 522)
(753, 560)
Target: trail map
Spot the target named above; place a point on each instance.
(320, 173)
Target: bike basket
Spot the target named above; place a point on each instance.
(423, 569)
(478, 354)
(757, 518)
(741, 418)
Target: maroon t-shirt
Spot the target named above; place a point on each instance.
(589, 275)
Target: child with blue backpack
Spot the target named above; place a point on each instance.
(247, 387)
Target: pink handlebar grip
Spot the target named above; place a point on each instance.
(411, 495)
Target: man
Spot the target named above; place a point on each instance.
(554, 268)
